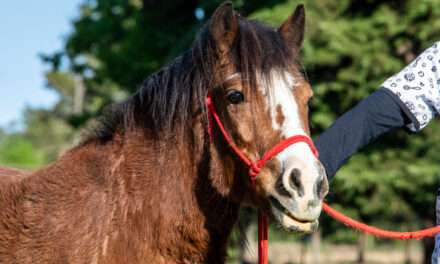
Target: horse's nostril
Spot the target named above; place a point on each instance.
(322, 187)
(295, 181)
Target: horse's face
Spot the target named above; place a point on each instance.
(262, 113)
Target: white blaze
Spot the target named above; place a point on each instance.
(298, 155)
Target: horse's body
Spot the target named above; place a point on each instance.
(141, 191)
(102, 210)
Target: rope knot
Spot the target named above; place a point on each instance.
(254, 170)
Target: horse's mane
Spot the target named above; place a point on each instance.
(164, 99)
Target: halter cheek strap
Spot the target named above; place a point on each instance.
(255, 168)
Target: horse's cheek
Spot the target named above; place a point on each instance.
(245, 132)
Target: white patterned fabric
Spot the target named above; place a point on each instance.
(418, 86)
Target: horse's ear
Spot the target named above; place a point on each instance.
(224, 26)
(292, 30)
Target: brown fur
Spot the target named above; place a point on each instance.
(95, 208)
(303, 92)
(143, 191)
(9, 175)
(280, 116)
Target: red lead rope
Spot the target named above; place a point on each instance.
(429, 232)
(255, 168)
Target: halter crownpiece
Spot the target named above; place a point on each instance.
(255, 167)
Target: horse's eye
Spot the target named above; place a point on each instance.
(235, 97)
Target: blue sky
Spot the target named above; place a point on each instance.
(27, 28)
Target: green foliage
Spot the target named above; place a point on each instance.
(48, 132)
(17, 151)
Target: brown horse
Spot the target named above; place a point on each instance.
(149, 186)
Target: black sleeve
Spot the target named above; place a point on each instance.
(377, 114)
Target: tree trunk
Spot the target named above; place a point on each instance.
(80, 91)
(362, 241)
(316, 247)
(303, 251)
(428, 247)
(407, 251)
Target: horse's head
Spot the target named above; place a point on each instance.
(262, 98)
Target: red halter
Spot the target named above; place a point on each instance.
(255, 168)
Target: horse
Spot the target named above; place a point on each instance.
(151, 184)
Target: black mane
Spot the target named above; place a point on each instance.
(164, 99)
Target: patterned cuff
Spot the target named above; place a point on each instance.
(417, 87)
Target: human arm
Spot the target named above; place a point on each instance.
(410, 98)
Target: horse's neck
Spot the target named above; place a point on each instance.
(181, 189)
